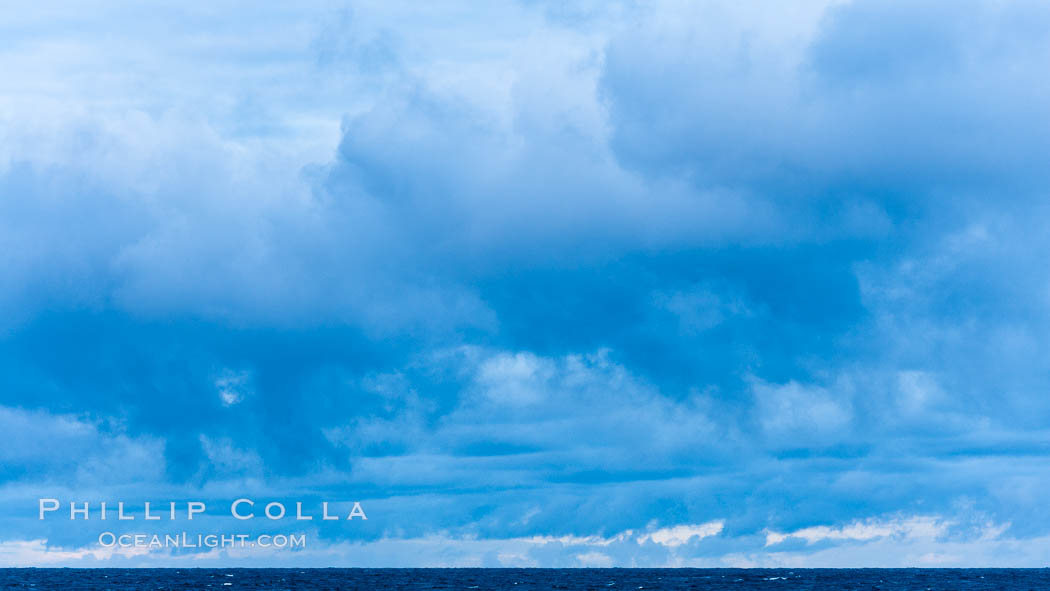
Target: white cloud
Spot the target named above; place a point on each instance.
(915, 528)
(515, 379)
(915, 541)
(678, 535)
(893, 542)
(233, 386)
(23, 553)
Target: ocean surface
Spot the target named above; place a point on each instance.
(523, 579)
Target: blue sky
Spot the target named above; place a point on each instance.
(540, 283)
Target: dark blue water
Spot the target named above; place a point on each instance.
(523, 579)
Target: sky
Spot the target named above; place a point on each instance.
(706, 283)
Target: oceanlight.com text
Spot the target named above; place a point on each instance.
(187, 540)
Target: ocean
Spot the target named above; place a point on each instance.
(525, 579)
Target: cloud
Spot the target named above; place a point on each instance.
(795, 414)
(811, 102)
(514, 411)
(14, 554)
(531, 277)
(682, 534)
(430, 550)
(915, 527)
(71, 450)
(875, 542)
(232, 386)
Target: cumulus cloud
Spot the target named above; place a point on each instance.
(537, 276)
(514, 414)
(835, 99)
